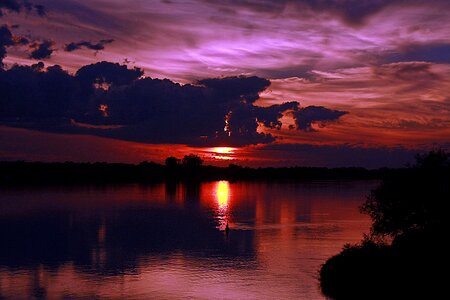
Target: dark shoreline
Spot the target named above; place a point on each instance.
(69, 173)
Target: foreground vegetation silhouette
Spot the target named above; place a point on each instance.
(189, 168)
(405, 255)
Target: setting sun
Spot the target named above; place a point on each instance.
(222, 153)
(223, 150)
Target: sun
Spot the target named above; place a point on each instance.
(223, 150)
(222, 153)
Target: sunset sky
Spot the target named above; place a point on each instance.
(278, 83)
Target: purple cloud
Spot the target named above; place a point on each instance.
(41, 50)
(88, 45)
(306, 116)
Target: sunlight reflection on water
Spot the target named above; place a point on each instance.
(222, 191)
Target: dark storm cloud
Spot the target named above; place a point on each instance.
(41, 50)
(6, 40)
(436, 53)
(90, 12)
(243, 121)
(106, 72)
(270, 116)
(219, 111)
(88, 45)
(39, 9)
(351, 12)
(11, 5)
(241, 88)
(419, 72)
(108, 99)
(305, 116)
(18, 6)
(6, 37)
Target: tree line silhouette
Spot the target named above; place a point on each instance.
(190, 167)
(406, 254)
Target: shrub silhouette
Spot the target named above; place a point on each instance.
(415, 200)
(410, 209)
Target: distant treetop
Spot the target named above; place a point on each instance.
(192, 161)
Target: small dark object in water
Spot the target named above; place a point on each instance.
(227, 230)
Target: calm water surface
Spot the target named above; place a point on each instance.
(167, 241)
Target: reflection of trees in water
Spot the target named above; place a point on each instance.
(38, 289)
(183, 191)
(114, 242)
(192, 191)
(172, 188)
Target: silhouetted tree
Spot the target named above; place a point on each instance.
(192, 161)
(410, 207)
(25, 173)
(172, 162)
(416, 200)
(437, 160)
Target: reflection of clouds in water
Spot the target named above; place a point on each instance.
(163, 240)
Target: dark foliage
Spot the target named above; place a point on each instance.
(410, 207)
(172, 162)
(416, 200)
(189, 168)
(410, 268)
(192, 161)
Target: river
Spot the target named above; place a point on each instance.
(168, 241)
